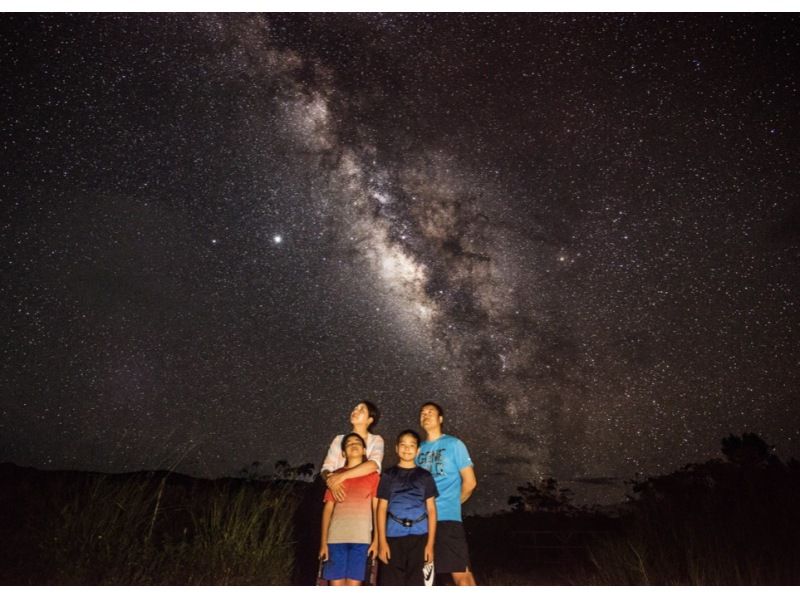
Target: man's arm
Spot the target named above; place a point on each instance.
(468, 483)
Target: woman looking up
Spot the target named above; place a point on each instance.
(363, 419)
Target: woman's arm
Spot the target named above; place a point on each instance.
(333, 457)
(334, 481)
(364, 468)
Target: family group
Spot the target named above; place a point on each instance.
(408, 516)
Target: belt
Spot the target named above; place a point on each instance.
(408, 522)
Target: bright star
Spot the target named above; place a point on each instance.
(277, 239)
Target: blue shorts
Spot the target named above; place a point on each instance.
(346, 561)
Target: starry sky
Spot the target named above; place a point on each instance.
(578, 233)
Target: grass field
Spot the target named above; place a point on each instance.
(150, 529)
(716, 523)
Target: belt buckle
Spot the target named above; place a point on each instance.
(407, 523)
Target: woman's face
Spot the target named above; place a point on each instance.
(360, 415)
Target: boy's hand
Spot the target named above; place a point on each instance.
(323, 553)
(428, 553)
(384, 554)
(335, 484)
(372, 551)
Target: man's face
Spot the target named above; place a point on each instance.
(360, 415)
(429, 417)
(407, 448)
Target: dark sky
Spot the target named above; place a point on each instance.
(579, 233)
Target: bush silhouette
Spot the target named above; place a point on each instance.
(544, 495)
(732, 521)
(748, 450)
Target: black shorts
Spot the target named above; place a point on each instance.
(405, 563)
(451, 554)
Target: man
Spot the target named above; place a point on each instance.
(447, 459)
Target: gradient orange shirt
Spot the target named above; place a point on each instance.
(351, 521)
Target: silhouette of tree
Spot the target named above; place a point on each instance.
(284, 471)
(281, 469)
(748, 449)
(253, 472)
(721, 520)
(545, 495)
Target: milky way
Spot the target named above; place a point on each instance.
(577, 233)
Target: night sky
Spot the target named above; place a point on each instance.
(580, 234)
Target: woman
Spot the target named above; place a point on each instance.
(363, 418)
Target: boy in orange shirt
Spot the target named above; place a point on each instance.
(349, 533)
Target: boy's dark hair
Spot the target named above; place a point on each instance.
(374, 413)
(353, 435)
(408, 433)
(436, 406)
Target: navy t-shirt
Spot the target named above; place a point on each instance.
(406, 490)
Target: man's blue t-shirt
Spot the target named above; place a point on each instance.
(445, 457)
(406, 490)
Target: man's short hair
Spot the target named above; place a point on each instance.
(408, 433)
(374, 413)
(436, 406)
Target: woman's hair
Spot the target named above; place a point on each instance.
(411, 433)
(374, 413)
(353, 435)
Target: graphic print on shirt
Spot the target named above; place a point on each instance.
(433, 461)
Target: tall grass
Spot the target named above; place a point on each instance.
(244, 538)
(143, 531)
(684, 556)
(713, 524)
(99, 535)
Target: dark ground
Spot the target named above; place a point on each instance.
(507, 548)
(732, 521)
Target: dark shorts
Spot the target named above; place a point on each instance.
(405, 563)
(451, 554)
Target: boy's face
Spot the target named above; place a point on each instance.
(407, 448)
(353, 449)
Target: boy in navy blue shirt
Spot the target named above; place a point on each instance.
(406, 517)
